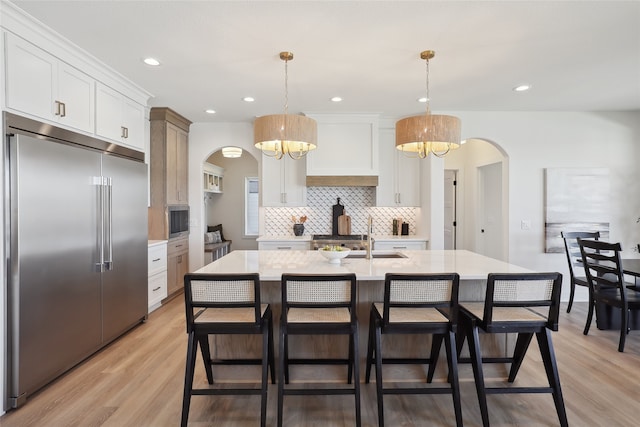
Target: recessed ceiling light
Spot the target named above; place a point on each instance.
(522, 88)
(423, 99)
(336, 99)
(151, 61)
(248, 99)
(210, 111)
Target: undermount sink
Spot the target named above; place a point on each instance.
(378, 255)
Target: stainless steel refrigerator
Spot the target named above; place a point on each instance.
(77, 249)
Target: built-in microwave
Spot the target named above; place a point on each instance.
(178, 221)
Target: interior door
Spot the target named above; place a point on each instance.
(489, 233)
(124, 285)
(450, 208)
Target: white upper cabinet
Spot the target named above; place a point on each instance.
(119, 118)
(347, 145)
(283, 182)
(40, 85)
(399, 179)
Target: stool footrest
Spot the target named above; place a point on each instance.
(318, 361)
(487, 360)
(236, 361)
(515, 390)
(423, 390)
(225, 391)
(318, 392)
(403, 361)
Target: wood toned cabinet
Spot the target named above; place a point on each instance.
(177, 264)
(168, 167)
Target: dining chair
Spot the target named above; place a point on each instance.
(225, 304)
(576, 269)
(420, 305)
(318, 305)
(524, 303)
(606, 281)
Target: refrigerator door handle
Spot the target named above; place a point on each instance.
(98, 182)
(109, 222)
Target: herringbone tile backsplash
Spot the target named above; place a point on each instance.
(358, 203)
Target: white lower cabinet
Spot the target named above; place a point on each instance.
(390, 245)
(157, 271)
(284, 245)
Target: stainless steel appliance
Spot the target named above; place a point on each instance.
(77, 249)
(353, 241)
(178, 221)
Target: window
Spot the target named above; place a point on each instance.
(251, 188)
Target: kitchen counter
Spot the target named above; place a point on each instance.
(157, 243)
(271, 264)
(392, 238)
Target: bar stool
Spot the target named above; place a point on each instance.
(318, 305)
(416, 304)
(514, 304)
(225, 304)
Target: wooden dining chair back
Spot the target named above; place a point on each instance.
(318, 305)
(421, 304)
(577, 274)
(225, 304)
(524, 303)
(607, 285)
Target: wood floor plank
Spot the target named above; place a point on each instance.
(138, 380)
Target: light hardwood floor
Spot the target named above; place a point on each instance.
(138, 381)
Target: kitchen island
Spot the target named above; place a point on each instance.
(472, 268)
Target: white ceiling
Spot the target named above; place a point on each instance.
(577, 55)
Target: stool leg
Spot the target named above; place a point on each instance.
(436, 344)
(379, 389)
(281, 373)
(452, 361)
(522, 344)
(285, 366)
(271, 356)
(350, 365)
(206, 357)
(265, 374)
(476, 363)
(356, 375)
(188, 377)
(551, 368)
(370, 345)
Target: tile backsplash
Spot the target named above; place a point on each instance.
(359, 203)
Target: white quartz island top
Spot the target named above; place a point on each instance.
(270, 264)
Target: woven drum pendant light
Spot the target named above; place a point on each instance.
(279, 134)
(428, 133)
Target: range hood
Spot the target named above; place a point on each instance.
(341, 181)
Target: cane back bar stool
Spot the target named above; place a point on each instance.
(577, 274)
(225, 304)
(516, 303)
(318, 305)
(416, 304)
(607, 286)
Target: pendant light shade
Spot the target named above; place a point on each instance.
(428, 133)
(279, 134)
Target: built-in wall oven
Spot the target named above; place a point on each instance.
(178, 221)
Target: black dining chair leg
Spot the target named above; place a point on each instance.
(436, 345)
(188, 377)
(452, 361)
(206, 357)
(476, 364)
(571, 295)
(522, 344)
(370, 346)
(286, 359)
(624, 330)
(350, 364)
(271, 355)
(592, 304)
(551, 368)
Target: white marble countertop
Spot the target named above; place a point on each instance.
(271, 264)
(157, 242)
(307, 238)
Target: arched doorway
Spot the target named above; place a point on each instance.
(481, 208)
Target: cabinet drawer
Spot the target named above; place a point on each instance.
(284, 246)
(399, 245)
(177, 246)
(157, 260)
(157, 288)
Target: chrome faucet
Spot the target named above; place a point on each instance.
(370, 239)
